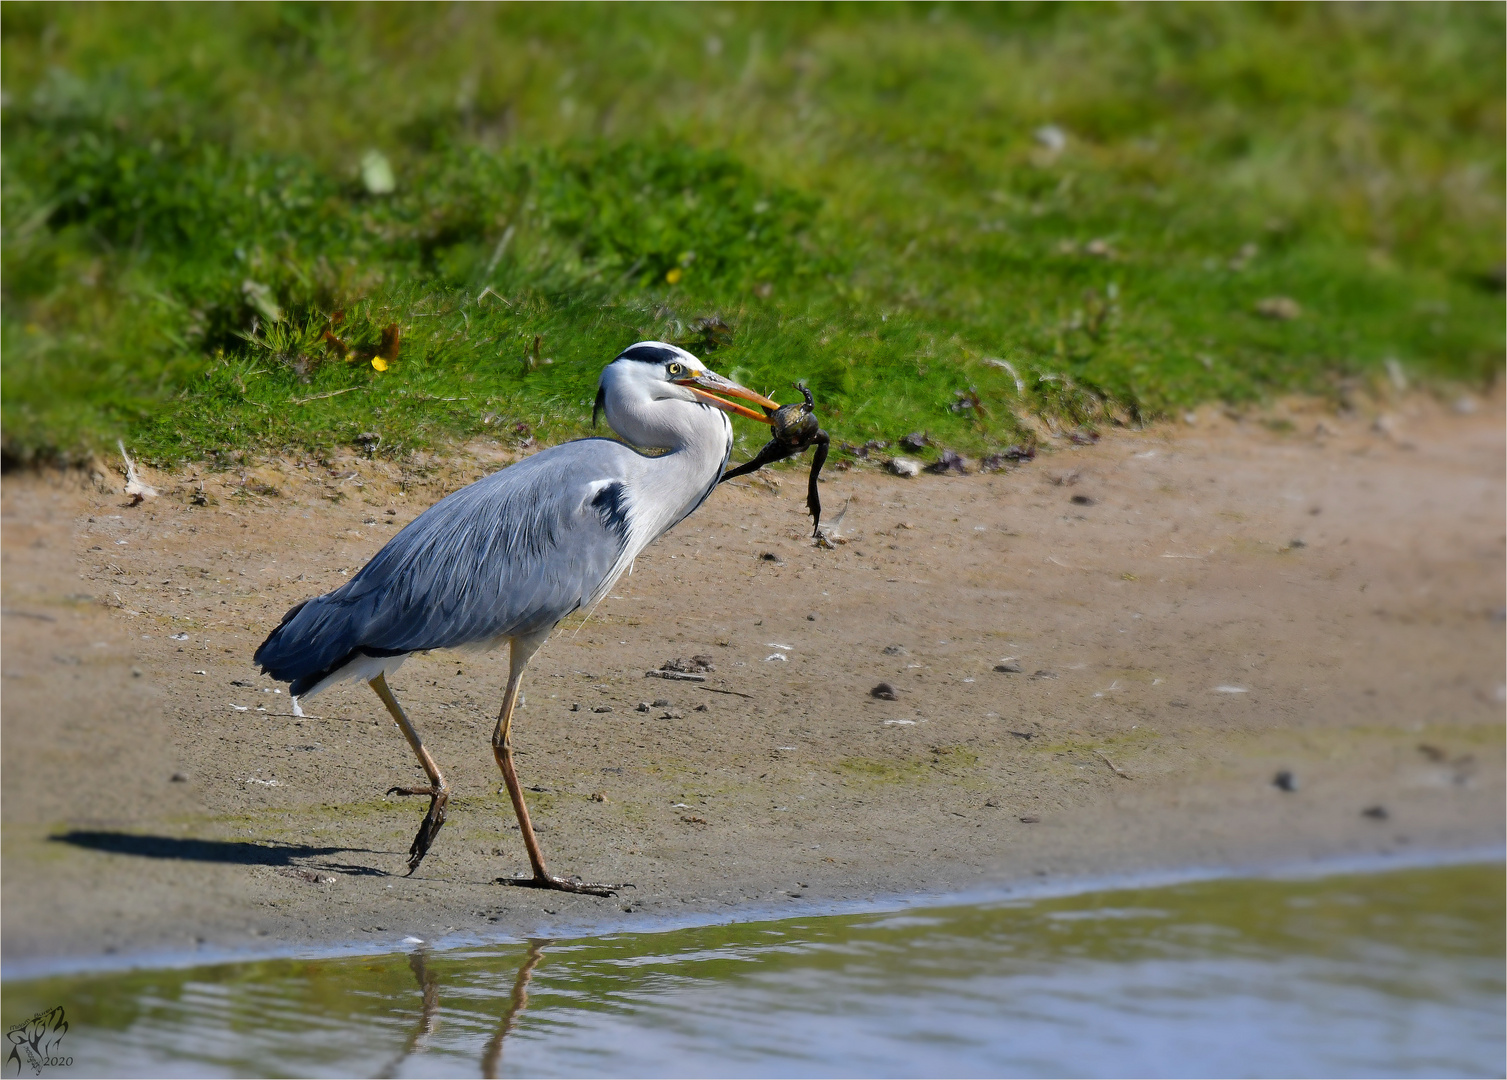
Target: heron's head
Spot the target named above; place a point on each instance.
(654, 371)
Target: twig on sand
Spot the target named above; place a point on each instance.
(134, 487)
(677, 675)
(735, 693)
(306, 716)
(1117, 770)
(27, 614)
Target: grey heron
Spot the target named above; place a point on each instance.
(506, 558)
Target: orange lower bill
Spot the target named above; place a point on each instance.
(723, 403)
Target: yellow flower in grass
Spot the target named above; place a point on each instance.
(392, 337)
(674, 276)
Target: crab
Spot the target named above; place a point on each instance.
(795, 430)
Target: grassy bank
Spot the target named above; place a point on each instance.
(285, 226)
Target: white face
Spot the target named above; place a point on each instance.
(655, 371)
(646, 372)
(660, 369)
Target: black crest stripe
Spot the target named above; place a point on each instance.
(650, 354)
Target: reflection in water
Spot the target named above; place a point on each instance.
(1383, 974)
(429, 1018)
(429, 985)
(491, 1058)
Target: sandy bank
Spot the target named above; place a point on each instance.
(1232, 599)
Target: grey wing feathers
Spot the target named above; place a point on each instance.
(511, 554)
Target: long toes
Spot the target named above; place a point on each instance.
(562, 885)
(417, 852)
(593, 888)
(431, 792)
(597, 890)
(420, 848)
(434, 820)
(587, 888)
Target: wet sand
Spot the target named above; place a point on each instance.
(1237, 597)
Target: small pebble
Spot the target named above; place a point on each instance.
(643, 706)
(661, 703)
(601, 708)
(1043, 673)
(884, 692)
(1082, 500)
(1285, 780)
(574, 707)
(1030, 819)
(1052, 137)
(1009, 667)
(895, 650)
(950, 462)
(1378, 812)
(180, 778)
(811, 618)
(1280, 308)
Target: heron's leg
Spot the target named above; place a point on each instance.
(438, 791)
(502, 749)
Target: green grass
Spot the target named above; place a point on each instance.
(864, 196)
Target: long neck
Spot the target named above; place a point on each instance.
(695, 439)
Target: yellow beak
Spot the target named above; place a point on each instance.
(704, 381)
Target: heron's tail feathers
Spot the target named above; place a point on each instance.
(316, 641)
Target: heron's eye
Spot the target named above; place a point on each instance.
(675, 370)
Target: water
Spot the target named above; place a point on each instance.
(1384, 974)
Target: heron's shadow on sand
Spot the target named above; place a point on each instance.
(239, 852)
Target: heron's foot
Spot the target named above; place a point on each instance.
(439, 799)
(549, 881)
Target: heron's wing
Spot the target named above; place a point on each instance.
(511, 554)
